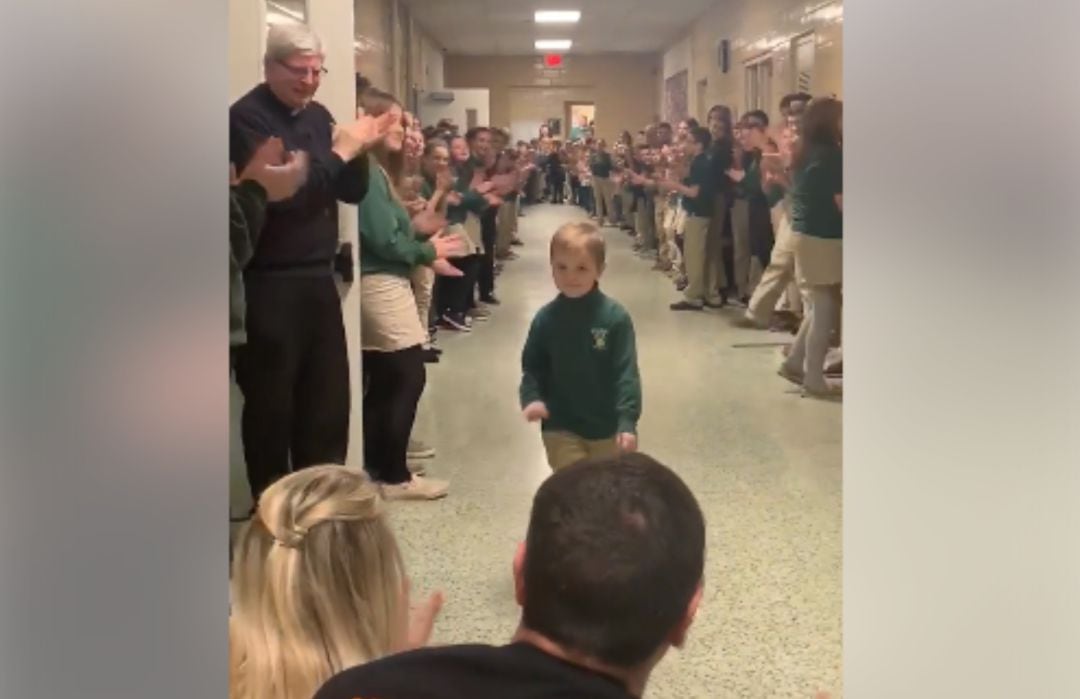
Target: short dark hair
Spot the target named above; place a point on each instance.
(691, 123)
(786, 100)
(664, 125)
(614, 553)
(757, 115)
(475, 131)
(702, 135)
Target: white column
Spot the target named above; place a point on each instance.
(332, 20)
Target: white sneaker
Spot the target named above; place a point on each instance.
(419, 488)
(419, 450)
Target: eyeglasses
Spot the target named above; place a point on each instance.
(301, 72)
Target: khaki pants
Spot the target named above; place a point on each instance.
(423, 284)
(702, 259)
(505, 221)
(565, 448)
(644, 224)
(665, 235)
(604, 191)
(778, 277)
(740, 232)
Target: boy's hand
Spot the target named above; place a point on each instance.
(534, 412)
(627, 442)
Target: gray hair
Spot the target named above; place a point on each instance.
(284, 40)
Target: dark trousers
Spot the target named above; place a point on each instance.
(575, 190)
(395, 381)
(558, 189)
(294, 374)
(488, 232)
(457, 292)
(762, 236)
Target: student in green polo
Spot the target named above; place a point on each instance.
(817, 219)
(700, 250)
(579, 366)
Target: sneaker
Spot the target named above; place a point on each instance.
(681, 283)
(490, 300)
(686, 306)
(419, 450)
(830, 391)
(419, 488)
(746, 321)
(430, 355)
(792, 375)
(455, 321)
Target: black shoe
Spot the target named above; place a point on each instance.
(685, 306)
(431, 356)
(490, 300)
(456, 322)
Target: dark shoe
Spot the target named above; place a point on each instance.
(722, 304)
(685, 306)
(430, 356)
(517, 242)
(456, 322)
(490, 300)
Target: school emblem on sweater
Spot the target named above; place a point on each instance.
(599, 339)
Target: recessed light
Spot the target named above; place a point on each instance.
(557, 16)
(553, 44)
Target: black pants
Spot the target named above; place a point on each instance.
(456, 293)
(395, 382)
(294, 374)
(488, 232)
(762, 236)
(558, 189)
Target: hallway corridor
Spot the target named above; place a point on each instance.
(765, 464)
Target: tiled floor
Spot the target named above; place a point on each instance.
(765, 464)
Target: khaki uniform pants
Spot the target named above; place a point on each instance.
(702, 259)
(565, 448)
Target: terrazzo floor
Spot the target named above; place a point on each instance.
(764, 463)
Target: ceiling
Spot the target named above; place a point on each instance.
(506, 27)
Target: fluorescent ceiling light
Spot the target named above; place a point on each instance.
(553, 44)
(557, 16)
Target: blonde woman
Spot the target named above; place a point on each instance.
(318, 586)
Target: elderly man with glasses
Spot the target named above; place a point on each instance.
(294, 370)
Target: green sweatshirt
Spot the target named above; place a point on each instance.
(247, 213)
(580, 359)
(388, 243)
(470, 200)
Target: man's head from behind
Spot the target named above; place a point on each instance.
(612, 566)
(293, 64)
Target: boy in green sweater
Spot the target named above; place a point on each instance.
(579, 366)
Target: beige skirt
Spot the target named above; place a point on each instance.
(472, 231)
(388, 318)
(818, 261)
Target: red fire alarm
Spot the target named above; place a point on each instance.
(552, 60)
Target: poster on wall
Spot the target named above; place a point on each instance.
(676, 97)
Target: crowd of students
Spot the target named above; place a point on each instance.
(610, 574)
(743, 213)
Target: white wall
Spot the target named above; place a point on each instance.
(479, 99)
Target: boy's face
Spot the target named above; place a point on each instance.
(574, 271)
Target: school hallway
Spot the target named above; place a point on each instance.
(764, 463)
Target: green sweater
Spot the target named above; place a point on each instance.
(814, 187)
(470, 200)
(388, 243)
(601, 165)
(247, 213)
(580, 359)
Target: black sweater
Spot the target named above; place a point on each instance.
(302, 231)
